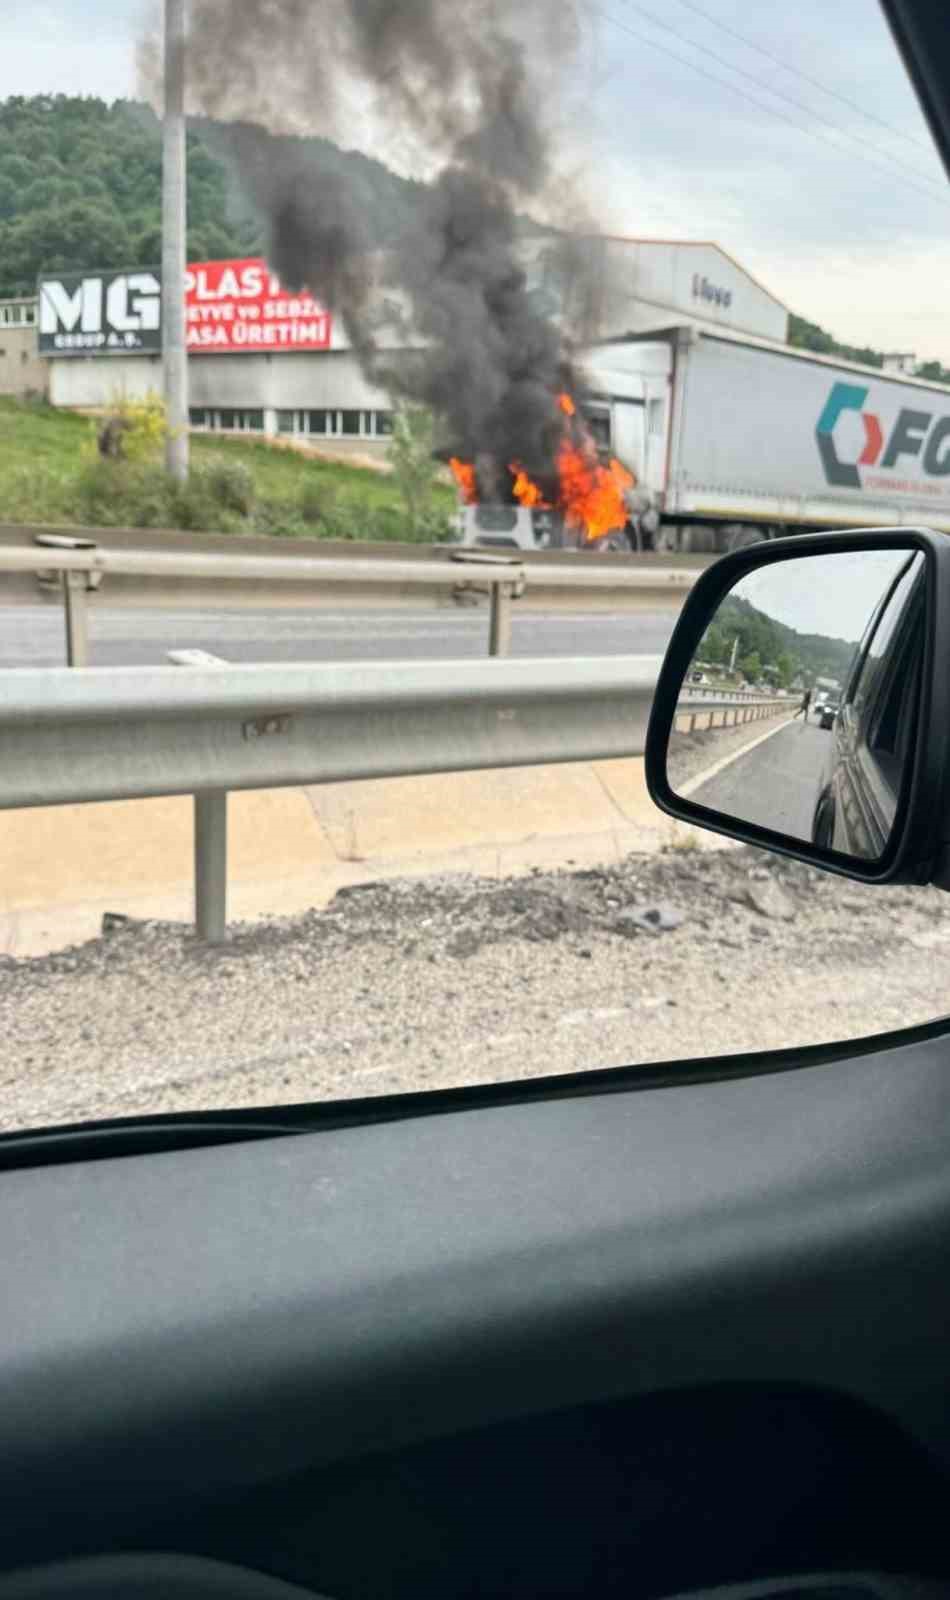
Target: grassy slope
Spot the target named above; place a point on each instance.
(45, 455)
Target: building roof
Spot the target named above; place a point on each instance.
(694, 244)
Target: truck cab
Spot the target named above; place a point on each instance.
(506, 527)
(501, 527)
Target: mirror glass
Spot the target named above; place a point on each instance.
(798, 710)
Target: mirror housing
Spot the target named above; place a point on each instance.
(918, 849)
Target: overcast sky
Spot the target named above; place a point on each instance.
(833, 594)
(677, 127)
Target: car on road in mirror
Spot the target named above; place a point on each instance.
(827, 712)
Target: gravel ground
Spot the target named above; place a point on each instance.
(441, 982)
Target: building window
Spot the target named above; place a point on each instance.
(332, 424)
(229, 420)
(598, 423)
(17, 314)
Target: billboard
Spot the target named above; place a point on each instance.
(230, 307)
(241, 306)
(100, 313)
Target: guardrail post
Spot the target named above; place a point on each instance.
(211, 865)
(77, 623)
(499, 636)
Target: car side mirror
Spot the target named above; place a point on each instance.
(803, 703)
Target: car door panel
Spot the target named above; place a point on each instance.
(202, 1326)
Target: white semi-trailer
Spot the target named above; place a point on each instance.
(734, 439)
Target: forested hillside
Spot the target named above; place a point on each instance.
(80, 186)
(809, 336)
(769, 646)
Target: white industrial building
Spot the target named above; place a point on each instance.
(640, 285)
(22, 372)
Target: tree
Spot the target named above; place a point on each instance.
(9, 198)
(60, 240)
(414, 466)
(787, 668)
(933, 372)
(715, 647)
(751, 667)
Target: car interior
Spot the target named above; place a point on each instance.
(652, 1331)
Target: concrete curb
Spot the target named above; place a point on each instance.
(290, 850)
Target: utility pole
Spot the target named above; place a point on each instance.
(174, 222)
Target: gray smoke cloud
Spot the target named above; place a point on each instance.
(469, 85)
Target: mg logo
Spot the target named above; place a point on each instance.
(64, 310)
(110, 312)
(920, 435)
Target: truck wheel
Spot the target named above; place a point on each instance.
(616, 542)
(739, 535)
(699, 539)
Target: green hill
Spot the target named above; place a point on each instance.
(80, 184)
(809, 336)
(765, 643)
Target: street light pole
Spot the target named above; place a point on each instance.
(174, 222)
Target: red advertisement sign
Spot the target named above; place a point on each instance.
(240, 306)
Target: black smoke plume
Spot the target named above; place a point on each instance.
(470, 85)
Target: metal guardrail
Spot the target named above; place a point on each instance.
(69, 736)
(732, 713)
(719, 696)
(78, 568)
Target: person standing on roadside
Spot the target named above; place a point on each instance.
(804, 707)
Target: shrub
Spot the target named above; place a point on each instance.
(124, 494)
(317, 501)
(133, 430)
(279, 517)
(230, 484)
(196, 508)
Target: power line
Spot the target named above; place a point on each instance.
(798, 105)
(786, 66)
(762, 105)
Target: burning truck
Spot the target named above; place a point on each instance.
(581, 502)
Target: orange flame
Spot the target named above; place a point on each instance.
(464, 474)
(591, 494)
(525, 492)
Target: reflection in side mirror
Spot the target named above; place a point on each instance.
(798, 710)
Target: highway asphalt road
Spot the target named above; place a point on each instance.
(776, 783)
(33, 636)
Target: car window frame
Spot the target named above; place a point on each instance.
(867, 638)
